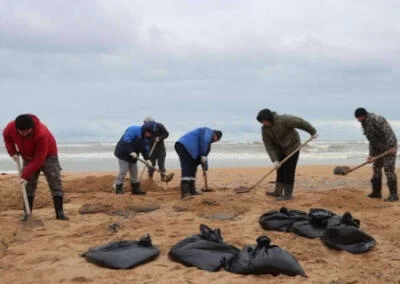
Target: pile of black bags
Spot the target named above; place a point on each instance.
(207, 251)
(123, 254)
(338, 232)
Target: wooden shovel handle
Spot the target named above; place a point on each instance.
(366, 163)
(282, 162)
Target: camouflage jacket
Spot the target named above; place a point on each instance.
(379, 134)
(282, 137)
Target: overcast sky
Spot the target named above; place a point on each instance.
(107, 64)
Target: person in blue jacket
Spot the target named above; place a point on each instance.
(192, 149)
(132, 142)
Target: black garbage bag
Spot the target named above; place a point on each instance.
(123, 254)
(315, 226)
(204, 251)
(344, 233)
(281, 220)
(264, 258)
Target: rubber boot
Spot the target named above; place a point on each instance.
(376, 188)
(119, 188)
(185, 189)
(25, 216)
(58, 207)
(136, 189)
(393, 191)
(151, 174)
(193, 190)
(287, 192)
(278, 190)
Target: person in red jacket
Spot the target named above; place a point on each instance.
(28, 137)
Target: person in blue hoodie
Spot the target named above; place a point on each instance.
(192, 149)
(132, 143)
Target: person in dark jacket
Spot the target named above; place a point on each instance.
(132, 143)
(38, 149)
(381, 138)
(193, 149)
(159, 153)
(281, 138)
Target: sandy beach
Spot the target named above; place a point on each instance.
(51, 254)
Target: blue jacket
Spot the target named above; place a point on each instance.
(132, 141)
(197, 142)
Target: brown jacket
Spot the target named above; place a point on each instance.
(282, 137)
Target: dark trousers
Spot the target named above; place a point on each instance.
(287, 172)
(188, 164)
(158, 158)
(52, 171)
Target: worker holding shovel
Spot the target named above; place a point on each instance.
(158, 152)
(27, 137)
(381, 138)
(132, 143)
(282, 140)
(193, 149)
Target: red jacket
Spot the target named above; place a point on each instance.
(34, 149)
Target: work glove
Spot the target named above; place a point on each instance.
(133, 155)
(370, 160)
(315, 136)
(393, 150)
(149, 163)
(157, 139)
(23, 182)
(203, 160)
(15, 157)
(277, 165)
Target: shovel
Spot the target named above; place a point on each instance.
(205, 189)
(244, 189)
(344, 170)
(151, 152)
(168, 177)
(29, 222)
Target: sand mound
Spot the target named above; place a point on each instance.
(11, 195)
(117, 205)
(346, 199)
(213, 206)
(104, 184)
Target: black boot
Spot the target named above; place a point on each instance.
(193, 190)
(288, 192)
(58, 207)
(393, 191)
(278, 190)
(136, 189)
(119, 188)
(25, 216)
(376, 188)
(185, 189)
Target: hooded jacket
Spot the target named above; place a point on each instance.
(34, 148)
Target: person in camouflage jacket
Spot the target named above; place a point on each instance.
(381, 138)
(280, 139)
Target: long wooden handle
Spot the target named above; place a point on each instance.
(153, 168)
(366, 163)
(282, 162)
(23, 189)
(205, 179)
(151, 152)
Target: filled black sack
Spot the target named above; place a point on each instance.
(315, 226)
(264, 258)
(281, 220)
(343, 233)
(123, 254)
(204, 251)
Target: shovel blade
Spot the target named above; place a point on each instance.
(343, 170)
(32, 223)
(242, 189)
